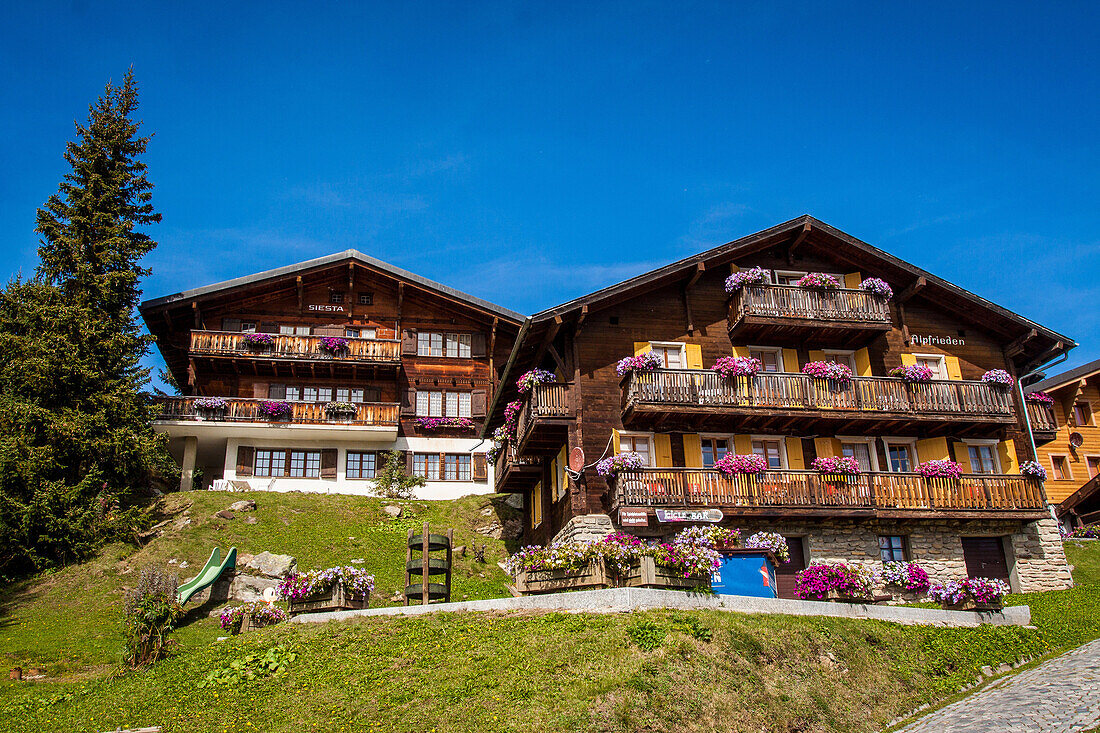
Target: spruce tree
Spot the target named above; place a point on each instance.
(75, 434)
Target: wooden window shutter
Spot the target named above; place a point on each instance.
(479, 402)
(478, 344)
(616, 445)
(742, 444)
(372, 394)
(328, 462)
(259, 390)
(824, 447)
(231, 324)
(954, 371)
(816, 355)
(328, 330)
(852, 280)
(742, 351)
(790, 361)
(268, 327)
(908, 360)
(932, 449)
(480, 467)
(640, 347)
(962, 457)
(245, 454)
(276, 391)
(795, 459)
(863, 362)
(662, 450)
(1006, 451)
(408, 342)
(409, 462)
(408, 404)
(693, 450)
(694, 356)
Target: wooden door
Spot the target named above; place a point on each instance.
(784, 574)
(985, 557)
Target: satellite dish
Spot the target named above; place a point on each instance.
(576, 460)
(1076, 440)
(269, 596)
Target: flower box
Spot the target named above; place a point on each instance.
(551, 581)
(648, 574)
(334, 599)
(969, 604)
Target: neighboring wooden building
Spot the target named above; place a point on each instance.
(1069, 446)
(357, 351)
(684, 416)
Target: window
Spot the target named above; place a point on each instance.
(1094, 465)
(366, 298)
(293, 394)
(983, 459)
(432, 343)
(900, 457)
(672, 355)
(892, 548)
(861, 452)
(458, 345)
(1061, 472)
(248, 327)
(294, 463)
(787, 277)
(309, 394)
(294, 330)
(305, 464)
(426, 465)
(435, 403)
(359, 395)
(847, 358)
(637, 444)
(351, 333)
(1082, 414)
(772, 450)
(361, 465)
(265, 459)
(772, 359)
(713, 450)
(536, 505)
(448, 467)
(456, 467)
(335, 297)
(934, 362)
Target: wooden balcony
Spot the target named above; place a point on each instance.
(543, 422)
(241, 410)
(1043, 425)
(297, 355)
(516, 473)
(764, 313)
(808, 493)
(695, 399)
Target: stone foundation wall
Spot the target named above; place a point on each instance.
(584, 528)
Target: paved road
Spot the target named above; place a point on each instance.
(1059, 696)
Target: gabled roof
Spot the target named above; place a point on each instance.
(346, 255)
(1067, 377)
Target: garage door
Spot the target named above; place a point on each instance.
(985, 557)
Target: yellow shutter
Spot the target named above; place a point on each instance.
(662, 450)
(863, 363)
(640, 347)
(953, 369)
(742, 444)
(962, 457)
(908, 360)
(932, 449)
(741, 351)
(1006, 451)
(536, 505)
(852, 280)
(734, 268)
(817, 355)
(615, 449)
(562, 483)
(694, 356)
(693, 450)
(790, 360)
(825, 447)
(795, 460)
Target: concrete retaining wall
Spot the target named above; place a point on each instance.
(620, 600)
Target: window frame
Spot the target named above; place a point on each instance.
(366, 298)
(1088, 465)
(784, 464)
(360, 455)
(668, 346)
(1090, 419)
(704, 437)
(634, 435)
(910, 443)
(779, 360)
(998, 470)
(872, 448)
(1068, 473)
(336, 297)
(904, 549)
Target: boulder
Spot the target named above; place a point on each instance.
(460, 551)
(250, 520)
(487, 511)
(224, 514)
(244, 505)
(494, 530)
(515, 501)
(393, 510)
(273, 566)
(247, 588)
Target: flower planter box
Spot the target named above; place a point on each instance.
(552, 581)
(648, 574)
(332, 600)
(969, 604)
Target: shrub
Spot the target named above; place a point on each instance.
(528, 380)
(1039, 396)
(356, 581)
(912, 373)
(907, 575)
(253, 666)
(393, 482)
(850, 581)
(998, 378)
(939, 469)
(259, 614)
(831, 370)
(644, 362)
(836, 465)
(647, 635)
(333, 344)
(151, 613)
(1033, 469)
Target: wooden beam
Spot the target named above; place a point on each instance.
(557, 358)
(197, 315)
(351, 277)
(687, 312)
(1018, 346)
(400, 304)
(799, 239)
(912, 289)
(301, 294)
(698, 273)
(551, 334)
(581, 318)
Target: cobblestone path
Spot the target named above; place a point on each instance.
(1059, 696)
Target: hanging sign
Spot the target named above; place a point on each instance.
(689, 515)
(634, 517)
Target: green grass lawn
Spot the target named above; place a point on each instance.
(652, 671)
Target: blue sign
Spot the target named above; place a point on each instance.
(745, 574)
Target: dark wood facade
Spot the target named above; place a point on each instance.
(685, 305)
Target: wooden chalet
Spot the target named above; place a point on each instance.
(303, 377)
(683, 417)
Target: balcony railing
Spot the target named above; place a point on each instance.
(705, 388)
(809, 490)
(284, 346)
(241, 410)
(786, 301)
(511, 469)
(1041, 416)
(545, 401)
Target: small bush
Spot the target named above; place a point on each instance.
(251, 667)
(693, 627)
(647, 635)
(151, 613)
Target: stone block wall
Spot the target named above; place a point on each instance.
(585, 528)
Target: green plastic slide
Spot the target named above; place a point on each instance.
(211, 572)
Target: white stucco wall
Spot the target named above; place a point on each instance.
(343, 485)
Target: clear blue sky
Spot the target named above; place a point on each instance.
(528, 153)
